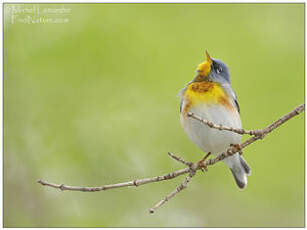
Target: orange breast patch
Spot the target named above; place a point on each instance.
(206, 92)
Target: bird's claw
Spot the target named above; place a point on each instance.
(237, 147)
(201, 164)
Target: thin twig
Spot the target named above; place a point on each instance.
(136, 182)
(193, 167)
(180, 159)
(179, 188)
(222, 127)
(262, 134)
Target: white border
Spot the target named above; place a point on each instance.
(123, 1)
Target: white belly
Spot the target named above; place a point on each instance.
(209, 139)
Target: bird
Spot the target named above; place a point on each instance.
(210, 96)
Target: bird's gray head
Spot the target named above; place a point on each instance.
(213, 70)
(219, 72)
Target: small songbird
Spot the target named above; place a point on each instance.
(210, 96)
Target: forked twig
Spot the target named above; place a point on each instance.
(192, 167)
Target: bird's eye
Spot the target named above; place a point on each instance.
(219, 69)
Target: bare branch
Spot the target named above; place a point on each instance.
(193, 167)
(136, 182)
(261, 135)
(221, 127)
(179, 188)
(180, 159)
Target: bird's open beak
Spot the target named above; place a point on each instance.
(204, 68)
(208, 58)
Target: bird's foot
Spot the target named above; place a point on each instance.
(237, 147)
(201, 164)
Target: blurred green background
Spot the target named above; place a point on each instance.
(91, 100)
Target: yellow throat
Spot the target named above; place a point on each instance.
(204, 69)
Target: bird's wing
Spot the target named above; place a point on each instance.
(237, 105)
(181, 94)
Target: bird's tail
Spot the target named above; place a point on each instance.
(239, 169)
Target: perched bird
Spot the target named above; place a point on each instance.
(210, 96)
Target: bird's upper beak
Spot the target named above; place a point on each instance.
(204, 68)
